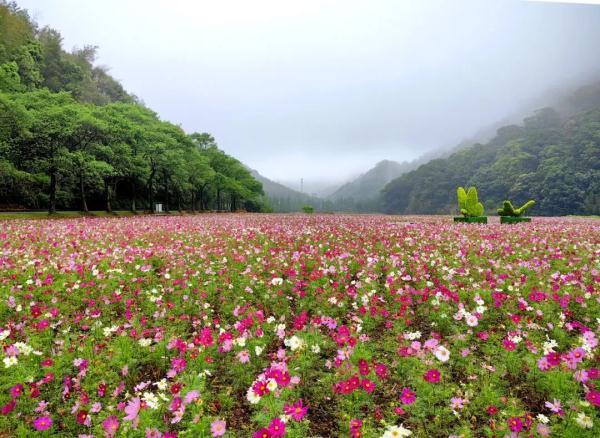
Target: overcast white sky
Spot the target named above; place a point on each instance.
(324, 89)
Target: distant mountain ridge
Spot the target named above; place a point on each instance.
(283, 199)
(368, 185)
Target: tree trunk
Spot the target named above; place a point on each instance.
(84, 206)
(166, 182)
(202, 200)
(151, 190)
(133, 195)
(193, 201)
(107, 191)
(52, 200)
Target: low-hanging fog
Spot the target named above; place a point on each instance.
(322, 90)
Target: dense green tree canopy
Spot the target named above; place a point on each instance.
(72, 138)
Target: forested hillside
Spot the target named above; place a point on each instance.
(72, 138)
(553, 158)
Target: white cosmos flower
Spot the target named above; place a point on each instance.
(10, 361)
(295, 343)
(396, 432)
(584, 421)
(151, 400)
(272, 385)
(441, 353)
(472, 320)
(252, 397)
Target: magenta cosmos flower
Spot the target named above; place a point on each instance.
(408, 396)
(593, 397)
(276, 428)
(42, 423)
(515, 424)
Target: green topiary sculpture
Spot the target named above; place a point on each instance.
(511, 215)
(469, 205)
(509, 210)
(468, 202)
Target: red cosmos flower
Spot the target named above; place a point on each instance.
(81, 416)
(492, 410)
(47, 363)
(35, 311)
(363, 367)
(432, 376)
(175, 388)
(8, 407)
(367, 385)
(101, 389)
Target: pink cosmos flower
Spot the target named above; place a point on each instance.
(218, 428)
(297, 411)
(42, 423)
(581, 376)
(244, 356)
(110, 426)
(191, 397)
(554, 406)
(543, 429)
(457, 403)
(132, 409)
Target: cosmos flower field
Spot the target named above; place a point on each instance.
(299, 326)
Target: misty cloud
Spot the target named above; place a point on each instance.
(325, 89)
